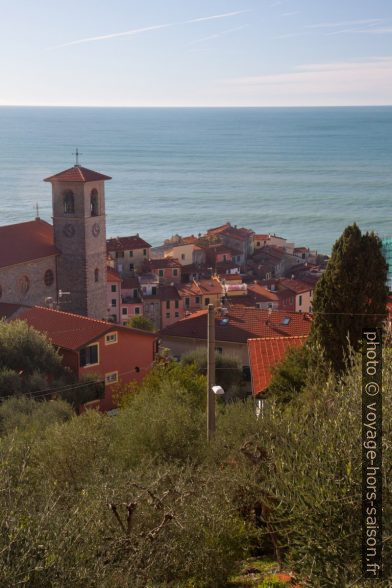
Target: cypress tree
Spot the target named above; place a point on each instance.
(350, 295)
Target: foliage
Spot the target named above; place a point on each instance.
(90, 387)
(289, 376)
(22, 413)
(229, 373)
(27, 359)
(141, 322)
(140, 500)
(350, 295)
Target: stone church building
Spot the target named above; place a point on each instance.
(61, 265)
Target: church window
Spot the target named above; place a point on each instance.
(94, 202)
(96, 274)
(48, 277)
(69, 202)
(24, 284)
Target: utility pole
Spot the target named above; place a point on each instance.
(210, 372)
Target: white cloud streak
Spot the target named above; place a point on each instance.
(340, 78)
(344, 23)
(142, 30)
(216, 35)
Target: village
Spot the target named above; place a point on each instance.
(85, 291)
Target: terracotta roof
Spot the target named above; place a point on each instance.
(112, 275)
(168, 293)
(164, 263)
(264, 354)
(217, 230)
(191, 239)
(209, 286)
(69, 331)
(301, 249)
(126, 243)
(241, 234)
(26, 241)
(261, 237)
(231, 278)
(242, 324)
(77, 173)
(296, 286)
(259, 292)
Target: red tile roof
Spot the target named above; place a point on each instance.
(77, 173)
(166, 262)
(242, 324)
(26, 241)
(241, 234)
(112, 275)
(296, 286)
(264, 354)
(261, 293)
(261, 237)
(217, 230)
(130, 283)
(69, 331)
(126, 243)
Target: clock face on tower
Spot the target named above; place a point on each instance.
(69, 230)
(96, 229)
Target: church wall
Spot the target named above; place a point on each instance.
(25, 283)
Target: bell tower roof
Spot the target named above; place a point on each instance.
(77, 173)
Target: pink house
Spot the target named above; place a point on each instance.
(113, 290)
(168, 270)
(131, 301)
(172, 309)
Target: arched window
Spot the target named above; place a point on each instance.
(69, 202)
(96, 275)
(94, 202)
(48, 277)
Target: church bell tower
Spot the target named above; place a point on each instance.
(79, 224)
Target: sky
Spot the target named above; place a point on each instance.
(196, 53)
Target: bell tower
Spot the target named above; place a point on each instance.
(79, 225)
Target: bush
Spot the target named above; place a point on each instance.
(24, 413)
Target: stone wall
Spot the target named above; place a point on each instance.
(29, 283)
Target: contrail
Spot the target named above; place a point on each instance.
(147, 29)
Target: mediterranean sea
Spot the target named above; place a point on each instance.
(302, 173)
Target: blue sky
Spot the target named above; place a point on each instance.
(188, 53)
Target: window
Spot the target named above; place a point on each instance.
(119, 254)
(206, 301)
(286, 320)
(176, 304)
(114, 288)
(224, 258)
(111, 377)
(89, 355)
(186, 302)
(114, 302)
(111, 338)
(69, 202)
(219, 350)
(135, 293)
(160, 273)
(137, 369)
(168, 315)
(300, 300)
(94, 202)
(168, 304)
(145, 252)
(197, 299)
(131, 254)
(175, 272)
(131, 267)
(176, 314)
(24, 284)
(258, 243)
(124, 311)
(137, 310)
(154, 291)
(182, 256)
(48, 277)
(96, 275)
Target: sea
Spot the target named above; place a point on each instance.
(301, 173)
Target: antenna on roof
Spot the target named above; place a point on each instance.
(36, 211)
(77, 157)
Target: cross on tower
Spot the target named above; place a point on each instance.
(76, 156)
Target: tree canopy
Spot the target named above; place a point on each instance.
(350, 295)
(141, 322)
